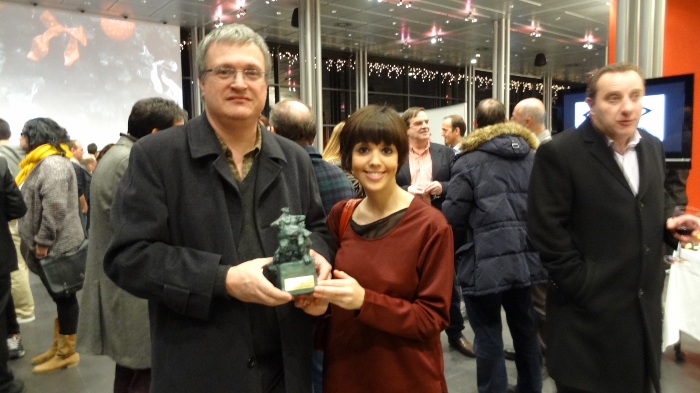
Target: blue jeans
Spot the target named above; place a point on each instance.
(485, 318)
(317, 371)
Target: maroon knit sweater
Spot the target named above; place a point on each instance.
(392, 344)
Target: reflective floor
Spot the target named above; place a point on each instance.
(95, 374)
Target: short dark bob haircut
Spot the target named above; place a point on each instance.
(373, 124)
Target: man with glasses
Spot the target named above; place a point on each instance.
(192, 233)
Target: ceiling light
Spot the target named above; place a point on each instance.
(473, 61)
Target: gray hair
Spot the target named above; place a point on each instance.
(233, 34)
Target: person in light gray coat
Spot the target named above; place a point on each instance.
(114, 322)
(51, 226)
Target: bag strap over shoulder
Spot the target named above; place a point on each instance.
(349, 207)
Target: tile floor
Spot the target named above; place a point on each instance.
(95, 374)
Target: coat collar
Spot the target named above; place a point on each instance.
(597, 145)
(203, 142)
(481, 135)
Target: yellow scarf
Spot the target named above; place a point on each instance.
(35, 156)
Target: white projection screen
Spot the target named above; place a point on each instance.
(81, 70)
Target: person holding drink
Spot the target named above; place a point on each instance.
(598, 214)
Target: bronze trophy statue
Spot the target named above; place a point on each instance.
(292, 269)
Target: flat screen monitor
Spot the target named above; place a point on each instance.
(667, 114)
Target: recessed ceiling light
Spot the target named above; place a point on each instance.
(524, 47)
(396, 33)
(393, 23)
(477, 55)
(349, 35)
(488, 40)
(473, 61)
(557, 18)
(516, 55)
(279, 13)
(439, 56)
(357, 43)
(447, 21)
(333, 11)
(391, 10)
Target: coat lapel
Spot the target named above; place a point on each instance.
(271, 161)
(598, 147)
(203, 142)
(643, 155)
(437, 160)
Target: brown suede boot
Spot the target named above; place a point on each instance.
(65, 355)
(44, 357)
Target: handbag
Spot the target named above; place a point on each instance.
(64, 274)
(320, 332)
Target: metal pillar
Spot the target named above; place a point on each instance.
(621, 31)
(470, 96)
(496, 72)
(361, 76)
(195, 93)
(310, 62)
(657, 68)
(547, 95)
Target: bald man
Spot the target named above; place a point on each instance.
(530, 113)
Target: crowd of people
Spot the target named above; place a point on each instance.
(402, 230)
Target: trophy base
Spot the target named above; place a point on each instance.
(297, 277)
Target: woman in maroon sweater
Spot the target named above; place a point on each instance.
(390, 296)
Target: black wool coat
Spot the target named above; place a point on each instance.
(11, 207)
(176, 217)
(602, 248)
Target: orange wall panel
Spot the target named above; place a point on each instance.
(682, 29)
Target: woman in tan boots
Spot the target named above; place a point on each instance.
(51, 226)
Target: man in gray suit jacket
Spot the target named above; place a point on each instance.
(112, 322)
(597, 213)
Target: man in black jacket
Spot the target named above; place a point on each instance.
(192, 233)
(597, 213)
(11, 207)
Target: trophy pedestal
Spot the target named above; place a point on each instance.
(297, 277)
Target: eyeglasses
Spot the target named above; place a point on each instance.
(225, 73)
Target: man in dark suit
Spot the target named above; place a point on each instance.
(597, 213)
(192, 232)
(11, 207)
(426, 174)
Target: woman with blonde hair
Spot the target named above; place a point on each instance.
(331, 154)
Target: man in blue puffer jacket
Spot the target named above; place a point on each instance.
(486, 205)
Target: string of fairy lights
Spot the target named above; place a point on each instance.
(396, 71)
